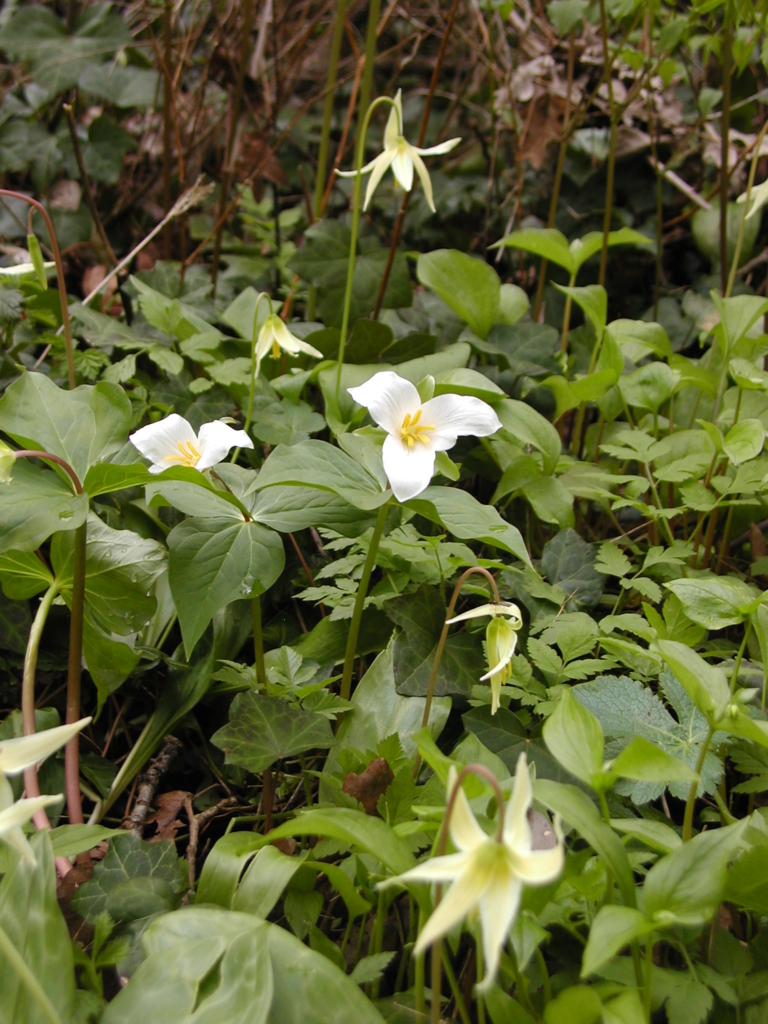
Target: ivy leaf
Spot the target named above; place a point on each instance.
(626, 708)
(135, 879)
(569, 562)
(263, 730)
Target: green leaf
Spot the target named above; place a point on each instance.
(747, 375)
(569, 563)
(686, 887)
(262, 730)
(648, 387)
(69, 840)
(578, 1004)
(593, 301)
(744, 441)
(546, 242)
(134, 880)
(524, 348)
(368, 340)
(82, 427)
(737, 315)
(263, 883)
(612, 561)
(31, 918)
(714, 602)
(747, 882)
(371, 967)
(213, 562)
(566, 14)
(319, 464)
(513, 304)
(655, 834)
(528, 426)
(590, 244)
(612, 929)
(645, 761)
(575, 738)
(705, 684)
(577, 809)
(323, 260)
(468, 285)
(23, 575)
(571, 394)
(243, 315)
(35, 505)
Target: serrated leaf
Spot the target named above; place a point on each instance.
(369, 968)
(612, 561)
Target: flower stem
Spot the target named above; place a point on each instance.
(441, 643)
(436, 981)
(608, 79)
(258, 644)
(745, 212)
(455, 990)
(362, 592)
(648, 987)
(725, 124)
(59, 278)
(254, 367)
(689, 804)
(359, 151)
(72, 749)
(479, 972)
(418, 974)
(30, 982)
(31, 785)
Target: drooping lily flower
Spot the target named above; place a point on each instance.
(173, 442)
(402, 157)
(275, 335)
(500, 642)
(416, 431)
(16, 755)
(487, 874)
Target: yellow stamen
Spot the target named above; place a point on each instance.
(412, 430)
(188, 454)
(275, 349)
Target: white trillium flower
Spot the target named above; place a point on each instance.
(16, 755)
(274, 336)
(173, 442)
(416, 431)
(500, 640)
(402, 157)
(487, 874)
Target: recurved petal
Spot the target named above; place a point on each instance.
(539, 866)
(454, 415)
(24, 751)
(288, 342)
(462, 897)
(498, 909)
(157, 440)
(378, 170)
(465, 831)
(423, 173)
(353, 174)
(388, 397)
(436, 869)
(216, 439)
(480, 612)
(409, 470)
(517, 831)
(439, 149)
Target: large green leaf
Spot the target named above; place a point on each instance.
(261, 730)
(612, 930)
(31, 918)
(23, 575)
(528, 426)
(705, 684)
(319, 464)
(82, 427)
(468, 285)
(569, 562)
(575, 738)
(36, 504)
(213, 562)
(714, 602)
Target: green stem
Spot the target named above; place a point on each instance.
(608, 79)
(648, 987)
(30, 982)
(479, 972)
(567, 317)
(362, 593)
(724, 133)
(742, 225)
(254, 367)
(374, 7)
(455, 990)
(325, 131)
(72, 749)
(358, 179)
(258, 644)
(28, 692)
(689, 804)
(436, 982)
(378, 938)
(739, 656)
(418, 974)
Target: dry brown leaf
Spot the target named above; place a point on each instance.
(165, 816)
(757, 542)
(369, 785)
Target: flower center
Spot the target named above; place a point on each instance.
(275, 349)
(188, 454)
(412, 430)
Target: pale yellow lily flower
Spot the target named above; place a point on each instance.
(500, 642)
(274, 336)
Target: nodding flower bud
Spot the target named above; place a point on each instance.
(7, 460)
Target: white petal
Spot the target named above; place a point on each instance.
(505, 656)
(216, 439)
(353, 174)
(157, 440)
(440, 149)
(475, 613)
(310, 350)
(394, 122)
(539, 866)
(380, 167)
(424, 178)
(517, 830)
(436, 869)
(454, 415)
(465, 831)
(402, 166)
(498, 909)
(409, 470)
(23, 752)
(388, 397)
(461, 898)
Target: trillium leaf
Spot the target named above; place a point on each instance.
(23, 575)
(319, 464)
(468, 285)
(215, 561)
(35, 505)
(262, 730)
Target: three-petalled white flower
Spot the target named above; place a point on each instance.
(500, 642)
(172, 442)
(487, 874)
(16, 755)
(274, 336)
(416, 431)
(401, 156)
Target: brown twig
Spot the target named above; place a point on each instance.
(87, 193)
(197, 821)
(149, 781)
